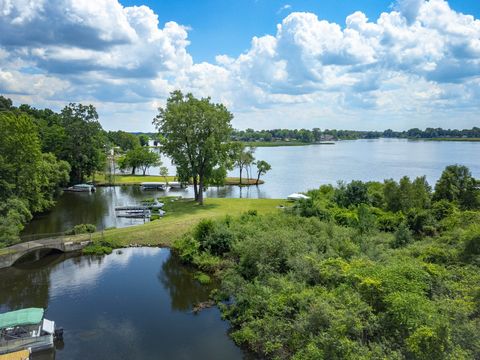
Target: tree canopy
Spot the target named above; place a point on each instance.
(195, 135)
(29, 179)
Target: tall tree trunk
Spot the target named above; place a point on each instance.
(195, 188)
(241, 168)
(144, 171)
(258, 178)
(133, 170)
(200, 190)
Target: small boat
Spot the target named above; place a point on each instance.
(153, 186)
(81, 188)
(296, 196)
(176, 185)
(27, 329)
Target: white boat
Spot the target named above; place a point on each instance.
(176, 185)
(297, 196)
(81, 188)
(27, 329)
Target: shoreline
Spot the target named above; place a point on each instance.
(181, 215)
(136, 180)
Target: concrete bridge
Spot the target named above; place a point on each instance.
(9, 255)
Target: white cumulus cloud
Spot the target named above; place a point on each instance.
(420, 59)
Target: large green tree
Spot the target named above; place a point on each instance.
(242, 156)
(262, 168)
(195, 134)
(85, 142)
(21, 158)
(457, 184)
(124, 140)
(140, 157)
(29, 179)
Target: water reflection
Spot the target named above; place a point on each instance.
(133, 304)
(184, 290)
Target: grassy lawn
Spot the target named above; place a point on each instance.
(137, 179)
(181, 216)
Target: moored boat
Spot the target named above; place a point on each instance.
(81, 188)
(176, 185)
(297, 196)
(27, 329)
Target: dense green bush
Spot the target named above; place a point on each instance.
(349, 279)
(81, 229)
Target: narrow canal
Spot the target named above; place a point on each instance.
(133, 304)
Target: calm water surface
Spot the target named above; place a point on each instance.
(133, 305)
(294, 168)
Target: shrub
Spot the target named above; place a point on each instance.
(186, 247)
(367, 222)
(443, 209)
(202, 278)
(82, 229)
(203, 230)
(403, 236)
(97, 249)
(219, 241)
(472, 243)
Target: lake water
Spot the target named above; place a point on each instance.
(130, 305)
(294, 169)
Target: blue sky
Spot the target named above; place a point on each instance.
(349, 64)
(227, 27)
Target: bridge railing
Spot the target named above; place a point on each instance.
(55, 237)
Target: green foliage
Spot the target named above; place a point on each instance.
(421, 222)
(186, 248)
(215, 238)
(367, 222)
(99, 247)
(29, 179)
(202, 278)
(84, 141)
(351, 194)
(217, 177)
(443, 209)
(403, 236)
(194, 134)
(82, 229)
(14, 214)
(407, 194)
(303, 287)
(143, 139)
(262, 168)
(124, 140)
(457, 184)
(243, 157)
(471, 240)
(140, 157)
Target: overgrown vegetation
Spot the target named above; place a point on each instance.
(359, 271)
(81, 229)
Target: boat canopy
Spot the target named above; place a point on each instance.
(30, 316)
(296, 196)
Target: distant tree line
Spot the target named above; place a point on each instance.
(317, 135)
